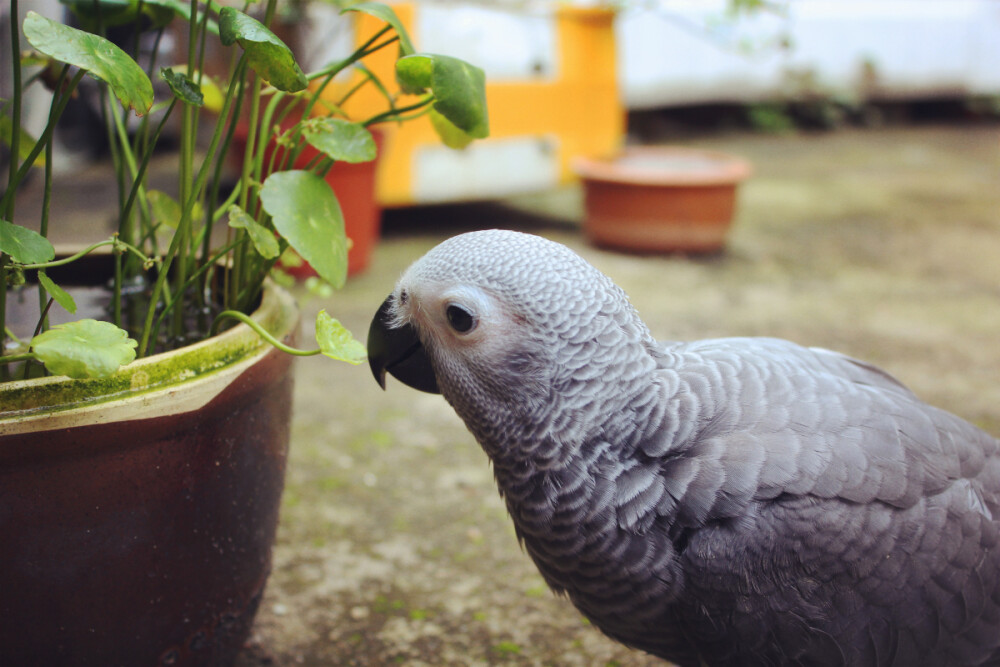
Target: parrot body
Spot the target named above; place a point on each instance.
(722, 502)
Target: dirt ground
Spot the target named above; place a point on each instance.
(394, 547)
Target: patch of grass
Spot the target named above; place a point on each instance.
(380, 438)
(507, 648)
(537, 591)
(328, 484)
(383, 605)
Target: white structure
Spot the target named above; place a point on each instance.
(674, 52)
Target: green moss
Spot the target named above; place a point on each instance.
(507, 648)
(56, 394)
(536, 591)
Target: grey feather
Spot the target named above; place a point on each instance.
(731, 502)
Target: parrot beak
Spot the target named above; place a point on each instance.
(400, 352)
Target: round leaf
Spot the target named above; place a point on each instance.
(93, 54)
(336, 342)
(307, 214)
(24, 245)
(84, 349)
(268, 55)
(340, 139)
(459, 89)
(451, 136)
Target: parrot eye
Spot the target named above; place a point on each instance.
(460, 319)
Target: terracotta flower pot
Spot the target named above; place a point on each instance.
(138, 511)
(661, 199)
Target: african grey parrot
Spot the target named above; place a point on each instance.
(740, 501)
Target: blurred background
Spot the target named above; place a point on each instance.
(864, 216)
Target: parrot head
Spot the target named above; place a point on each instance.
(506, 326)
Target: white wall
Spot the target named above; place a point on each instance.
(678, 52)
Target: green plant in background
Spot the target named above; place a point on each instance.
(166, 242)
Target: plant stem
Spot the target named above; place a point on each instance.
(202, 270)
(116, 299)
(15, 138)
(42, 140)
(261, 331)
(189, 206)
(358, 54)
(4, 375)
(44, 222)
(12, 358)
(139, 178)
(213, 198)
(392, 113)
(239, 259)
(72, 258)
(7, 208)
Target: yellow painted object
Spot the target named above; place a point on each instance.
(555, 98)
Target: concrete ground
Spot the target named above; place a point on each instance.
(394, 547)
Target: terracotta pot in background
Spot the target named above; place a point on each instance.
(138, 512)
(661, 198)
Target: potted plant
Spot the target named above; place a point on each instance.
(141, 453)
(660, 198)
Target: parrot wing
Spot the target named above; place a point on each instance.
(812, 496)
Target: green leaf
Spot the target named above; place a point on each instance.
(95, 55)
(337, 342)
(212, 95)
(84, 349)
(164, 208)
(451, 136)
(415, 73)
(385, 13)
(61, 296)
(262, 238)
(459, 89)
(182, 87)
(307, 214)
(268, 55)
(24, 245)
(340, 139)
(27, 142)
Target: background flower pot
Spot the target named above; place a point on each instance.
(661, 198)
(138, 511)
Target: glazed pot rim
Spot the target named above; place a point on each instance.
(664, 165)
(188, 377)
